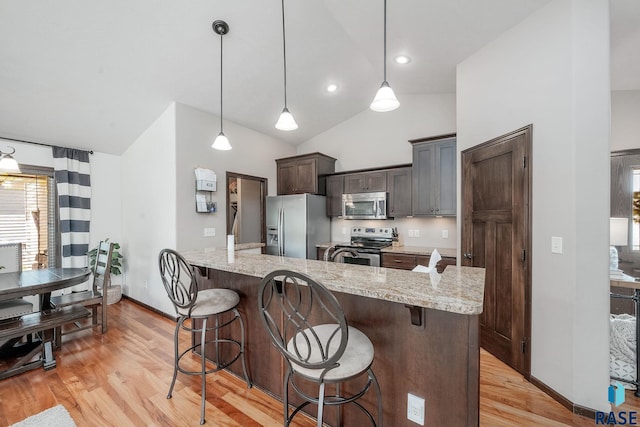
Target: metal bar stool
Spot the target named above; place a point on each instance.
(198, 306)
(308, 327)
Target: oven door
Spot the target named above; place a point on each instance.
(363, 258)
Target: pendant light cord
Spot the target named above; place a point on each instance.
(221, 36)
(284, 50)
(385, 41)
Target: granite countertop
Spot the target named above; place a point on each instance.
(420, 250)
(456, 290)
(241, 246)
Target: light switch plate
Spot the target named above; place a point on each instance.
(445, 234)
(209, 232)
(411, 233)
(556, 245)
(416, 232)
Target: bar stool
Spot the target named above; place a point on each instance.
(198, 306)
(308, 327)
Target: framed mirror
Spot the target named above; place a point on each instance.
(246, 198)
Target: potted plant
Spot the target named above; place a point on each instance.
(114, 292)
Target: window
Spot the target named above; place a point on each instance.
(28, 215)
(635, 224)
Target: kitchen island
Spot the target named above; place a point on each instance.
(424, 328)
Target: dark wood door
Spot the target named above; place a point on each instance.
(496, 235)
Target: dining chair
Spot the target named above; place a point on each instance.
(94, 298)
(308, 327)
(194, 307)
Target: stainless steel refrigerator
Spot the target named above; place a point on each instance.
(296, 224)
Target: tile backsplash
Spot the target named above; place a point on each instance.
(412, 231)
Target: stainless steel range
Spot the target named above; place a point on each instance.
(364, 247)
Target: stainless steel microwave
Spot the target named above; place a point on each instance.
(364, 206)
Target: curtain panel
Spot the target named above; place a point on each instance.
(73, 181)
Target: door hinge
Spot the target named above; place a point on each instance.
(523, 346)
(524, 162)
(524, 255)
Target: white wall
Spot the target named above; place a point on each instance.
(158, 190)
(149, 209)
(252, 154)
(552, 70)
(106, 206)
(625, 119)
(370, 139)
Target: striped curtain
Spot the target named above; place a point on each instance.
(73, 180)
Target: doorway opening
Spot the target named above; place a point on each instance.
(246, 196)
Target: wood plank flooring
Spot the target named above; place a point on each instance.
(122, 378)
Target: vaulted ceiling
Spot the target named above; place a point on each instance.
(95, 75)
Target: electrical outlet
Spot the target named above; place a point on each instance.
(415, 409)
(445, 234)
(209, 232)
(556, 245)
(411, 233)
(416, 232)
(146, 285)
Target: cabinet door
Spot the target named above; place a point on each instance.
(286, 178)
(354, 183)
(422, 180)
(434, 178)
(297, 177)
(445, 168)
(400, 261)
(399, 186)
(366, 182)
(334, 195)
(306, 177)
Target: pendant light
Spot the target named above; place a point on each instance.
(385, 99)
(286, 120)
(7, 163)
(221, 142)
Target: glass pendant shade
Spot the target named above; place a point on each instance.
(286, 121)
(385, 99)
(8, 164)
(221, 143)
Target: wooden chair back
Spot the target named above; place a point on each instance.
(102, 267)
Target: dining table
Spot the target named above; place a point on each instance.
(40, 283)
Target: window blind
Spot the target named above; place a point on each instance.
(27, 217)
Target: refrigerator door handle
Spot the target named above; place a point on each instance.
(281, 231)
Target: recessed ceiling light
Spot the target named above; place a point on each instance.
(332, 87)
(402, 59)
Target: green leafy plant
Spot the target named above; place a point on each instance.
(116, 259)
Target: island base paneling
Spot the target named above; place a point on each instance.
(438, 361)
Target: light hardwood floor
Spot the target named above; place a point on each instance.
(122, 378)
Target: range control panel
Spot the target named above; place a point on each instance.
(371, 232)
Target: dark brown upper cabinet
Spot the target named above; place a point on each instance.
(300, 174)
(434, 176)
(366, 182)
(399, 197)
(335, 189)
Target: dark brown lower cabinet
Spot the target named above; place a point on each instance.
(439, 361)
(410, 261)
